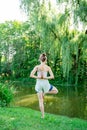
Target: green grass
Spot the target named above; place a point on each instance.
(27, 119)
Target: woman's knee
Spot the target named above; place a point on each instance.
(56, 90)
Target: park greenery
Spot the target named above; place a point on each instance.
(50, 29)
(6, 94)
(46, 30)
(53, 29)
(27, 119)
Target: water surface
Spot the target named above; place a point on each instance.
(70, 101)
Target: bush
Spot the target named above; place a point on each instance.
(6, 95)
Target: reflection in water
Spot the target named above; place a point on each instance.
(67, 102)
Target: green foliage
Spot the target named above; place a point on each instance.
(6, 95)
(45, 31)
(81, 10)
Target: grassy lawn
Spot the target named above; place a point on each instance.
(27, 119)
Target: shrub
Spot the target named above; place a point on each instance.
(6, 94)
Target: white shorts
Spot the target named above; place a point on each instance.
(42, 85)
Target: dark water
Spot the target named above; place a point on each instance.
(70, 101)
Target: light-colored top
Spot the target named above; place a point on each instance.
(42, 74)
(42, 71)
(42, 83)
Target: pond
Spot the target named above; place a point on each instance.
(71, 101)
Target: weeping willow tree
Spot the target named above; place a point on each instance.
(65, 48)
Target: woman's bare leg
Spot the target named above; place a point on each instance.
(53, 91)
(41, 103)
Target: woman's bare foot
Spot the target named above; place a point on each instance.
(42, 117)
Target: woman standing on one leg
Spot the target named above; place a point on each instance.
(42, 84)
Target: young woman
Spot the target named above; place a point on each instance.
(42, 84)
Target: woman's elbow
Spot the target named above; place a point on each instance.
(31, 75)
(52, 77)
